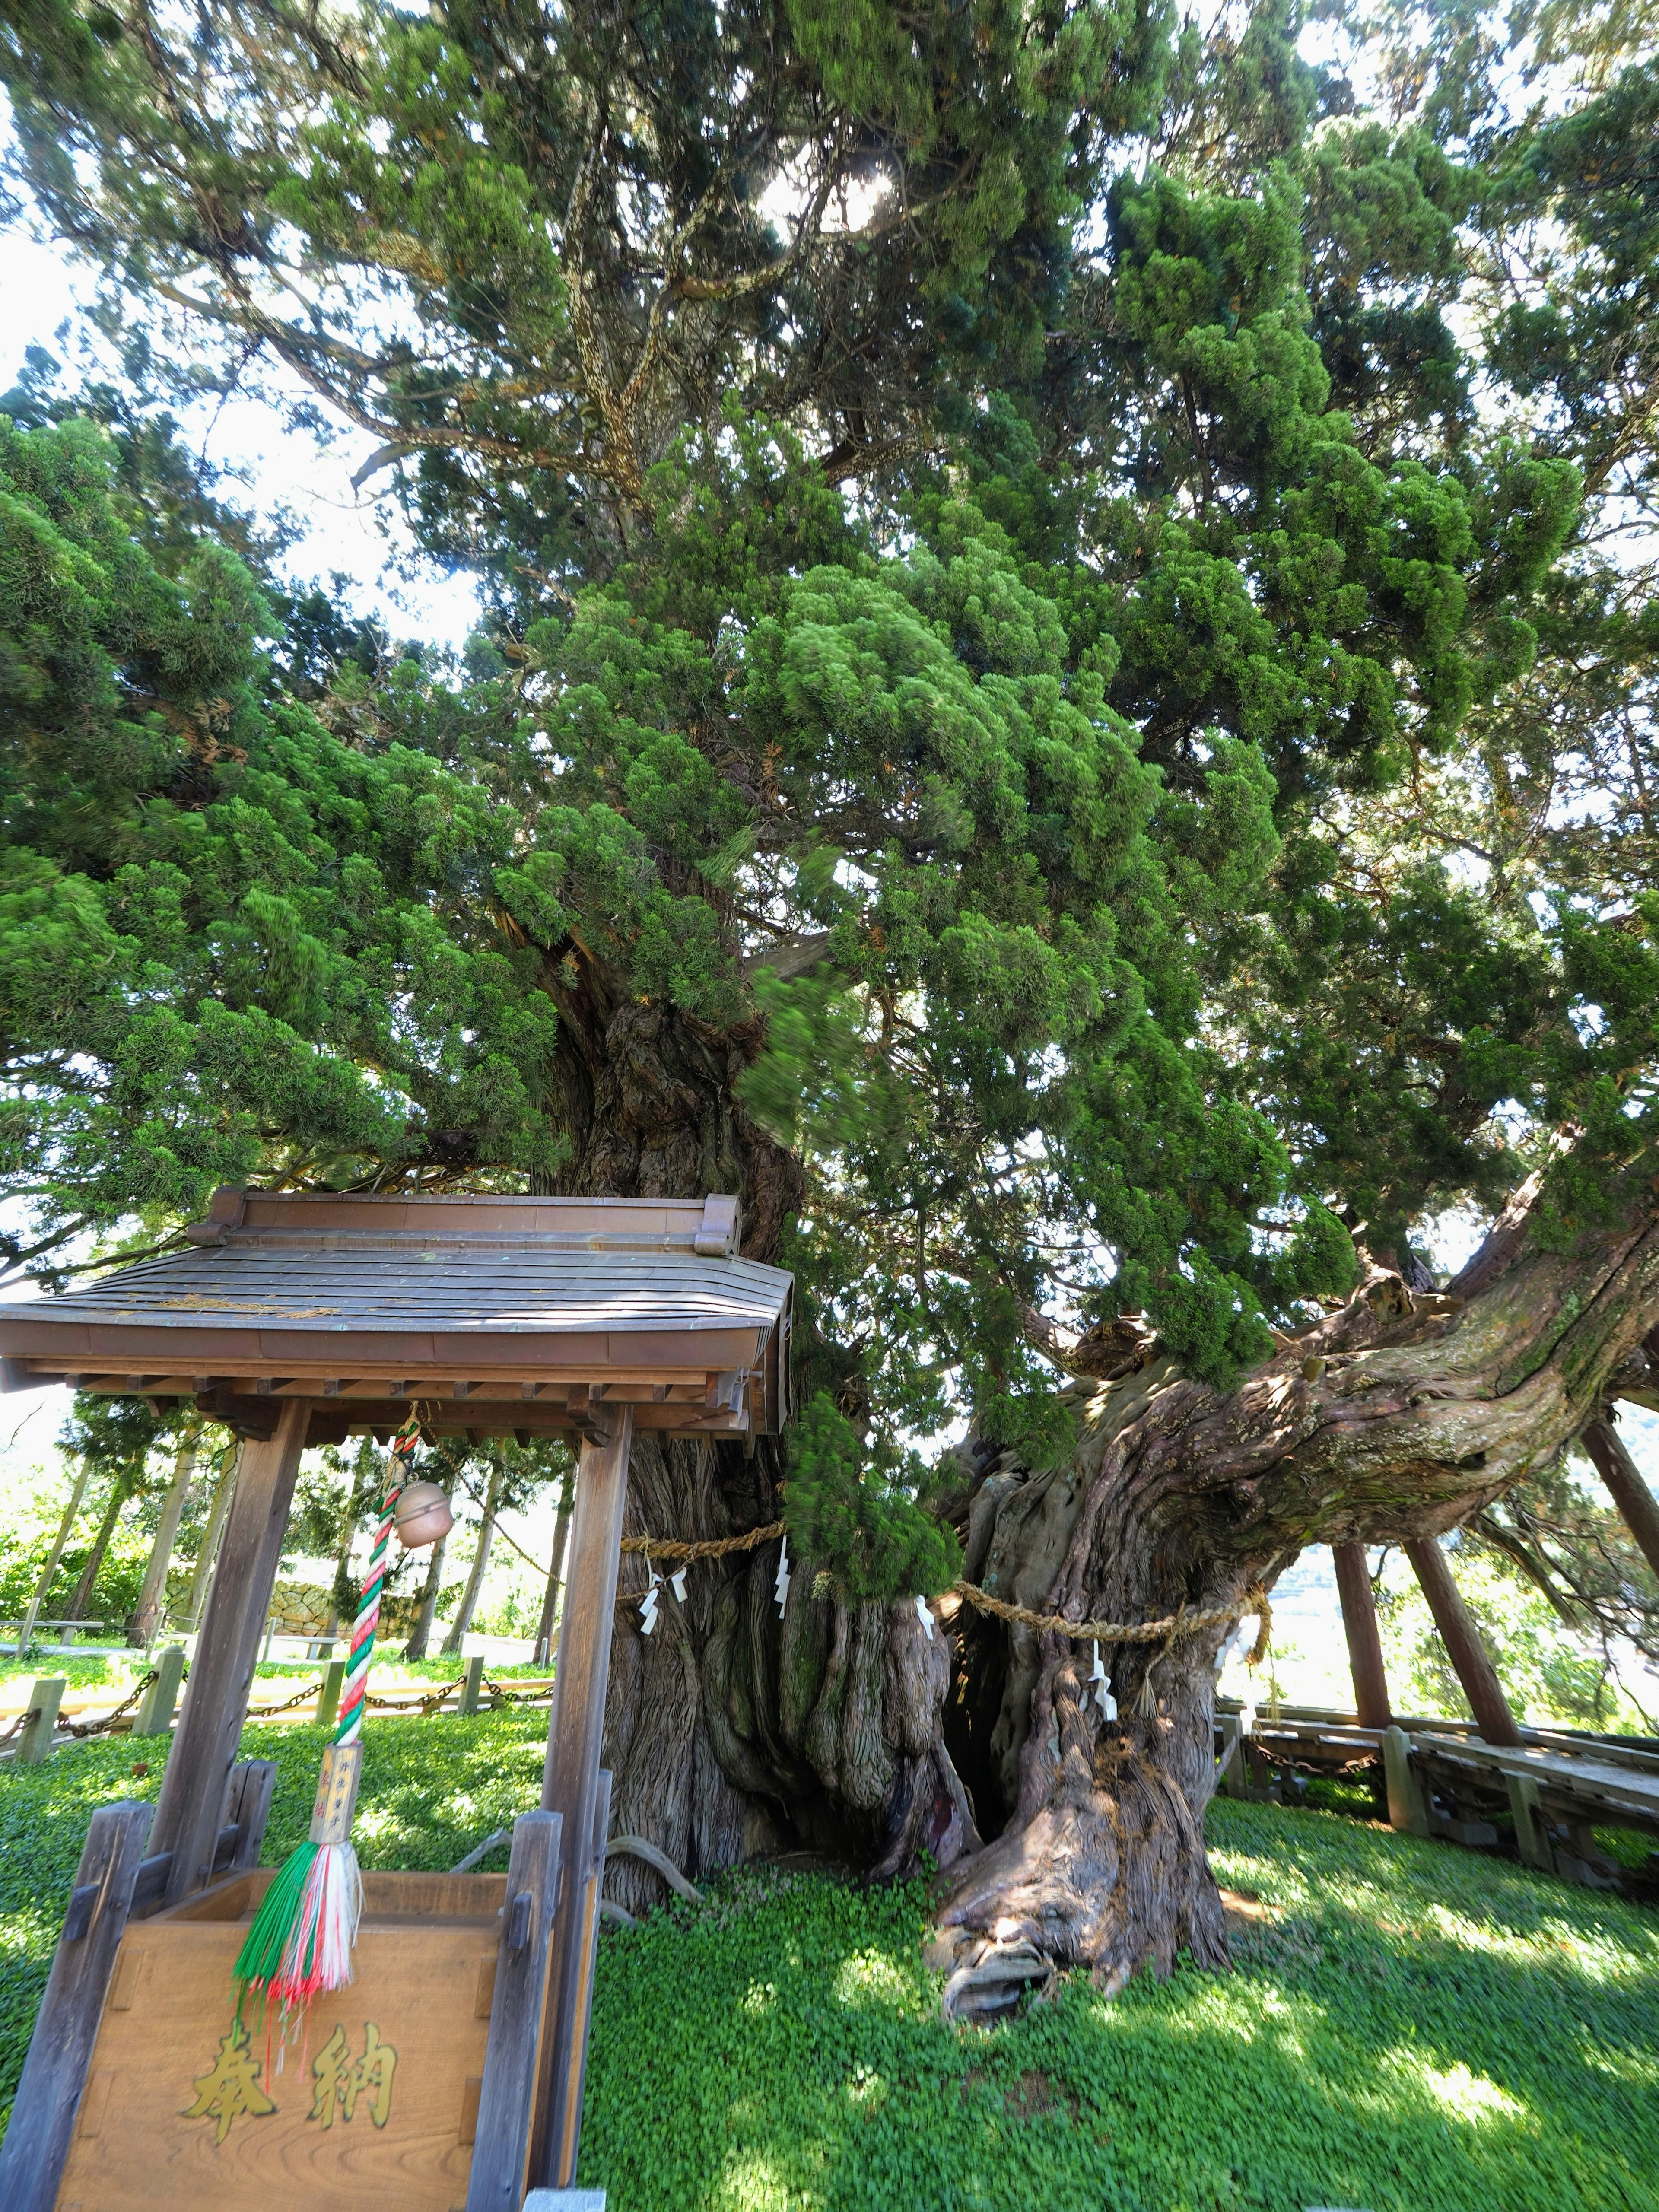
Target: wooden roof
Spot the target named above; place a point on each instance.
(497, 1314)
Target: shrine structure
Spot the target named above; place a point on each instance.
(448, 2074)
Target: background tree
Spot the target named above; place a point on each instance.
(542, 1650)
(213, 1527)
(513, 1476)
(115, 1437)
(1099, 888)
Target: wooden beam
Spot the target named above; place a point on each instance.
(1468, 1655)
(571, 1787)
(1638, 1508)
(1370, 1681)
(55, 2072)
(190, 1811)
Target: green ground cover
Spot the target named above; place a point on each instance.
(1412, 2028)
(116, 1670)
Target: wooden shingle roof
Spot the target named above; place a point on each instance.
(494, 1313)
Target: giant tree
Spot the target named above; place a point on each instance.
(1036, 689)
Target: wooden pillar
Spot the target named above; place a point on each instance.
(1370, 1683)
(1638, 1507)
(192, 1803)
(571, 1787)
(1461, 1638)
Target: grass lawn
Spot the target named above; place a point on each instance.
(1411, 2026)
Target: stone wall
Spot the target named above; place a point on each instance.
(302, 1609)
(306, 1609)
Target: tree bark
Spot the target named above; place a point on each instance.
(541, 1653)
(142, 1627)
(421, 1635)
(1370, 1681)
(464, 1611)
(201, 1575)
(733, 1728)
(26, 1633)
(1391, 1420)
(843, 1728)
(1638, 1508)
(1471, 1660)
(120, 1491)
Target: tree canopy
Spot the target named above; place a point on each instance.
(1068, 603)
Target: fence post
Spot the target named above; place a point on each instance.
(1406, 1808)
(475, 1666)
(1531, 1834)
(162, 1699)
(328, 1697)
(36, 1739)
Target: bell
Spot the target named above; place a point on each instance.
(422, 1515)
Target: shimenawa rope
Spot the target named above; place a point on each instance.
(1175, 1624)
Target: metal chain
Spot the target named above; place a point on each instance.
(102, 1727)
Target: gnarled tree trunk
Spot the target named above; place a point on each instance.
(735, 1727)
(1397, 1417)
(738, 1726)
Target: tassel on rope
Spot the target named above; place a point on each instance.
(300, 1943)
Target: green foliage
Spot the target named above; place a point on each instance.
(1413, 2028)
(1552, 1672)
(229, 919)
(1059, 705)
(1394, 2036)
(857, 1511)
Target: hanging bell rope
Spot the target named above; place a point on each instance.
(300, 1943)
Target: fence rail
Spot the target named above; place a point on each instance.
(42, 1721)
(1546, 1797)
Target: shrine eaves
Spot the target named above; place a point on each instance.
(496, 1316)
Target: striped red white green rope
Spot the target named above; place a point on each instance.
(300, 1943)
(355, 1689)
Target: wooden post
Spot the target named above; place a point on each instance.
(1232, 1778)
(162, 1699)
(247, 1808)
(328, 1697)
(1408, 1808)
(571, 1785)
(1531, 1830)
(55, 2072)
(1461, 1638)
(35, 1741)
(1638, 1508)
(1370, 1682)
(201, 1574)
(475, 1666)
(191, 1809)
(576, 2081)
(501, 2147)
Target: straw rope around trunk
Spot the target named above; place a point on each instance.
(1166, 1631)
